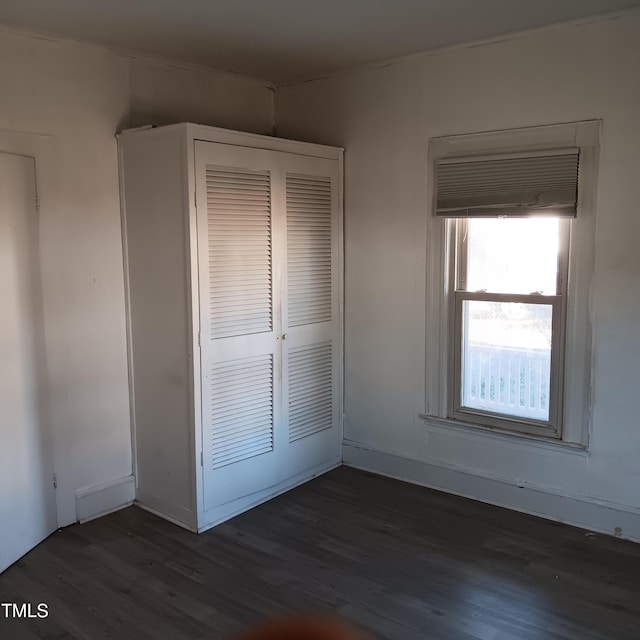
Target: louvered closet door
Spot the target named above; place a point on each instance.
(240, 320)
(312, 349)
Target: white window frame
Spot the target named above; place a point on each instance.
(457, 272)
(571, 409)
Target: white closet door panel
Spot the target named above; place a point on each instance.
(239, 251)
(310, 389)
(240, 320)
(312, 350)
(309, 249)
(241, 410)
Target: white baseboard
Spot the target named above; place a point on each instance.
(213, 517)
(161, 513)
(611, 518)
(224, 512)
(96, 501)
(185, 518)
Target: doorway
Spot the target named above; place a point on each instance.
(27, 493)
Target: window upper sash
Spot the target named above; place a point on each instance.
(520, 186)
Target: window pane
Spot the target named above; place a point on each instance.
(513, 255)
(506, 349)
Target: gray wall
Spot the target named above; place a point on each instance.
(384, 115)
(81, 95)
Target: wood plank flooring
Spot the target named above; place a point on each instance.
(401, 561)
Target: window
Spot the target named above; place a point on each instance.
(510, 241)
(507, 315)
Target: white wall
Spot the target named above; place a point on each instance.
(168, 93)
(384, 116)
(81, 95)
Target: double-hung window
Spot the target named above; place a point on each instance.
(510, 325)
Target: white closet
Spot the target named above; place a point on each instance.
(233, 255)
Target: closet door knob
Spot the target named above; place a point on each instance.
(284, 336)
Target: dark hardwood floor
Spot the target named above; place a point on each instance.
(401, 561)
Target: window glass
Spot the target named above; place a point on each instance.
(513, 255)
(506, 351)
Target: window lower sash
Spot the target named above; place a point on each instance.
(495, 384)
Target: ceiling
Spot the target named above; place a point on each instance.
(277, 40)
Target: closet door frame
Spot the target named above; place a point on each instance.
(193, 133)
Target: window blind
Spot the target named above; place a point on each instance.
(515, 186)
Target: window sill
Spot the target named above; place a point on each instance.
(502, 435)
